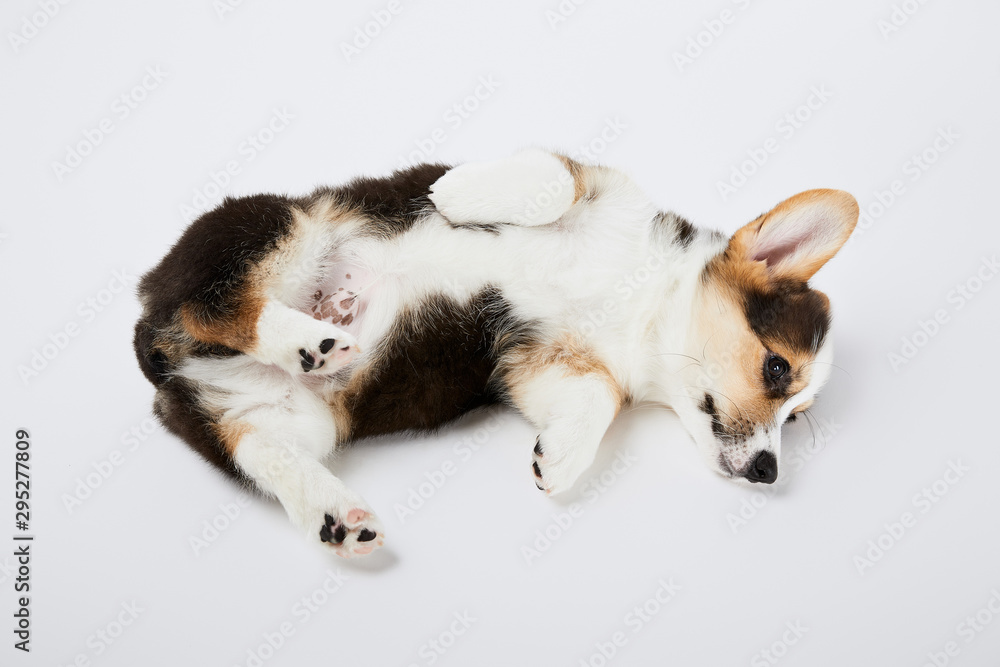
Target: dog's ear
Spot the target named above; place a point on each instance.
(799, 235)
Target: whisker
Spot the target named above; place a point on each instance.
(829, 364)
(738, 408)
(675, 354)
(805, 413)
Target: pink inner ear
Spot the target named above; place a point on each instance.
(779, 248)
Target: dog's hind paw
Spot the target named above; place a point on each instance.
(556, 469)
(357, 533)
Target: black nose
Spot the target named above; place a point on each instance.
(764, 469)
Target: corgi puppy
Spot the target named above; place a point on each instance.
(279, 328)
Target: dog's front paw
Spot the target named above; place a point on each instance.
(300, 344)
(328, 354)
(557, 467)
(356, 533)
(319, 348)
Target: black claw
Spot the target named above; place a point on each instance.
(366, 535)
(327, 345)
(539, 486)
(339, 534)
(538, 471)
(538, 446)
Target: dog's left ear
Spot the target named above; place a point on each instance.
(799, 235)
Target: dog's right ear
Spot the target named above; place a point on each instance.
(799, 235)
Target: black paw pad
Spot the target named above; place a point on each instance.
(538, 471)
(327, 345)
(366, 535)
(332, 531)
(308, 361)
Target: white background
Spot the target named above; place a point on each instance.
(883, 433)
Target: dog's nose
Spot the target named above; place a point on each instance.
(764, 469)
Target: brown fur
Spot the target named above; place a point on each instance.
(578, 172)
(230, 433)
(568, 354)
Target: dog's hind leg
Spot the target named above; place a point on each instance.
(530, 188)
(277, 433)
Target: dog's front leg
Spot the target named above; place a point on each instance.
(572, 410)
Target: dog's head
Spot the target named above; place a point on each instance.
(759, 334)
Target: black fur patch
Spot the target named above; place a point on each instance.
(675, 229)
(488, 227)
(708, 407)
(394, 202)
(153, 362)
(791, 314)
(685, 231)
(210, 261)
(436, 364)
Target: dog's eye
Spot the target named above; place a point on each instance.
(776, 367)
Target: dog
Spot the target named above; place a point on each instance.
(279, 328)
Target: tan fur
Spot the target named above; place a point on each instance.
(566, 353)
(238, 332)
(230, 433)
(576, 170)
